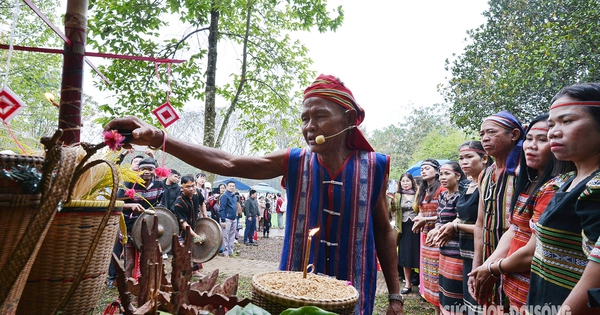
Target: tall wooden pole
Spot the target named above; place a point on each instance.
(71, 95)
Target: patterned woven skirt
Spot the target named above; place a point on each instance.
(516, 288)
(451, 285)
(429, 272)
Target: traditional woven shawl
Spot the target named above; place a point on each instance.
(497, 198)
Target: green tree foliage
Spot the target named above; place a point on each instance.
(441, 143)
(426, 132)
(261, 66)
(524, 54)
(393, 140)
(30, 74)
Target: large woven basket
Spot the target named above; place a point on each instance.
(16, 211)
(275, 302)
(62, 254)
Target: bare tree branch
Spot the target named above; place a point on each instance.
(181, 41)
(242, 78)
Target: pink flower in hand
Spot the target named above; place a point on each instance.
(113, 139)
(130, 193)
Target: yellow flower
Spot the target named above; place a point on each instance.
(97, 182)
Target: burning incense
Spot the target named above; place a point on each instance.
(311, 233)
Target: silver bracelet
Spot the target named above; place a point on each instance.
(489, 268)
(499, 268)
(396, 297)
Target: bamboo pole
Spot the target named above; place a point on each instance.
(69, 117)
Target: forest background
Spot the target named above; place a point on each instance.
(516, 60)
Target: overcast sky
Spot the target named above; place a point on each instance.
(391, 53)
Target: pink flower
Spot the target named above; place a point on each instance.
(348, 282)
(113, 139)
(130, 193)
(162, 172)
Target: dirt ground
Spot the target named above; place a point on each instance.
(250, 260)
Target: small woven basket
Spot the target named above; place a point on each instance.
(276, 302)
(16, 210)
(61, 257)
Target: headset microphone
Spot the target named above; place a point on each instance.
(321, 138)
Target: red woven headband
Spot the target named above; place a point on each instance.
(330, 88)
(575, 103)
(541, 129)
(448, 168)
(472, 150)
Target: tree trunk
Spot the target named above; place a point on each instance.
(242, 79)
(211, 72)
(69, 117)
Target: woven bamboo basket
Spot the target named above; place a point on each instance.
(8, 161)
(16, 210)
(61, 257)
(275, 302)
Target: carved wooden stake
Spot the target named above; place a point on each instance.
(179, 297)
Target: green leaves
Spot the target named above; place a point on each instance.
(31, 74)
(306, 310)
(249, 309)
(426, 133)
(260, 68)
(525, 53)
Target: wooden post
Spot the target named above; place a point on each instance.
(69, 117)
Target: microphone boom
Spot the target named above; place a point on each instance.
(320, 139)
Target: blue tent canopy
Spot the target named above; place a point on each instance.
(415, 170)
(265, 188)
(238, 185)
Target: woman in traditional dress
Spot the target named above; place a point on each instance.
(408, 241)
(450, 263)
(473, 159)
(427, 199)
(512, 257)
(566, 261)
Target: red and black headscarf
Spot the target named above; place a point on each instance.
(332, 89)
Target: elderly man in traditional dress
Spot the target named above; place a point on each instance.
(336, 183)
(501, 137)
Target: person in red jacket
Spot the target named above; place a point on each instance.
(280, 211)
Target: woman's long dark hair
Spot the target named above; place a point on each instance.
(552, 169)
(429, 191)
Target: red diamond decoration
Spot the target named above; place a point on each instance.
(166, 114)
(10, 104)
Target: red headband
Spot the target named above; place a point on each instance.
(541, 129)
(473, 150)
(575, 103)
(448, 168)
